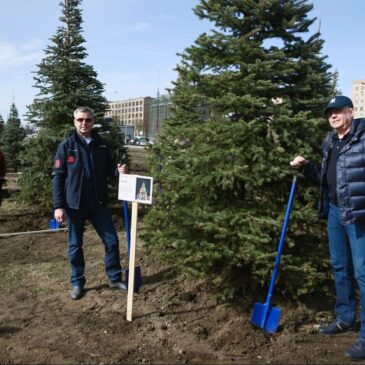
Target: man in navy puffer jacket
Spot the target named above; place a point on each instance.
(341, 177)
(80, 174)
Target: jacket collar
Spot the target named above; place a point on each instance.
(95, 138)
(357, 126)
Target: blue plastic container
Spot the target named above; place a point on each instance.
(54, 224)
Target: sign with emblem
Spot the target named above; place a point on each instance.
(71, 159)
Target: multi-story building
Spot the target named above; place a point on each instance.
(132, 112)
(358, 98)
(160, 109)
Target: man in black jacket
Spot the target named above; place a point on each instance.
(341, 177)
(80, 174)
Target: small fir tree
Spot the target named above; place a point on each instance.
(114, 136)
(248, 98)
(11, 138)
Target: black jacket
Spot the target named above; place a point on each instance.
(69, 169)
(350, 171)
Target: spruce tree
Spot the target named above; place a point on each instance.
(63, 79)
(11, 138)
(64, 82)
(248, 98)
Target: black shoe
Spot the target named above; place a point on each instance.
(357, 350)
(119, 285)
(77, 292)
(335, 328)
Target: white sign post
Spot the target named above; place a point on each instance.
(132, 261)
(137, 189)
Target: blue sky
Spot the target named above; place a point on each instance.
(133, 44)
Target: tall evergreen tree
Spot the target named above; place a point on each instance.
(63, 79)
(64, 82)
(225, 178)
(12, 137)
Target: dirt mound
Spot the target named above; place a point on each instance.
(174, 320)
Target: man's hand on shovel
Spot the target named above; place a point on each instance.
(298, 162)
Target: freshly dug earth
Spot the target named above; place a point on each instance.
(174, 320)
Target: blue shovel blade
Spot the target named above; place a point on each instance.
(266, 317)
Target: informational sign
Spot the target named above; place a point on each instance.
(135, 188)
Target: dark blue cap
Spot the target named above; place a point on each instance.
(339, 102)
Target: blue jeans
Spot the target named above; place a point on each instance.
(347, 251)
(101, 220)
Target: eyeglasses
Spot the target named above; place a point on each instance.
(87, 120)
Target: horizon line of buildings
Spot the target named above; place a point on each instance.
(143, 116)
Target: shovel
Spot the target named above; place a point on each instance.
(137, 269)
(264, 315)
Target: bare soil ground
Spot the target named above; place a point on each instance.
(174, 320)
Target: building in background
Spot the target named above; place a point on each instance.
(142, 116)
(160, 109)
(358, 98)
(132, 112)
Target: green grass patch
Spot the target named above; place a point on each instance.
(44, 277)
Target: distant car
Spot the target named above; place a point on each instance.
(132, 141)
(143, 141)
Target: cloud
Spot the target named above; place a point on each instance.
(19, 54)
(119, 32)
(138, 26)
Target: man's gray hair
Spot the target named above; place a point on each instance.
(84, 109)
